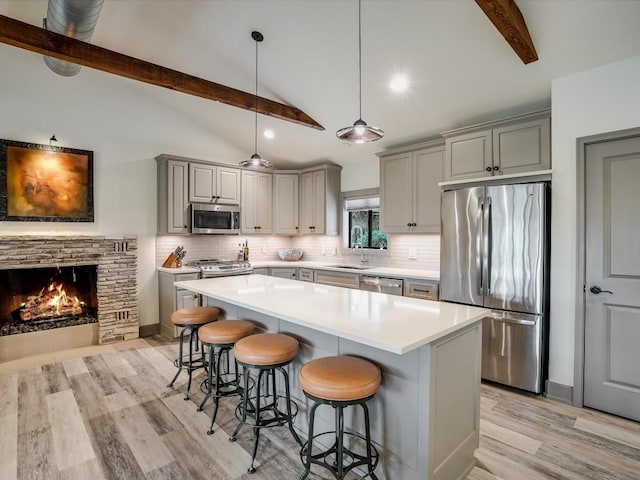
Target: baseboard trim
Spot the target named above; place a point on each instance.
(149, 330)
(559, 392)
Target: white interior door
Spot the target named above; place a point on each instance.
(612, 296)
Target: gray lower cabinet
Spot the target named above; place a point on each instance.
(514, 145)
(261, 270)
(172, 299)
(425, 289)
(283, 272)
(337, 279)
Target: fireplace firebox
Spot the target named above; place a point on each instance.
(34, 299)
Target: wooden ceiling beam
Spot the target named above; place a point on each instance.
(36, 39)
(508, 19)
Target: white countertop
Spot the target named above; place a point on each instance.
(388, 322)
(370, 270)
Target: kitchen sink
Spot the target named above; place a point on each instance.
(350, 267)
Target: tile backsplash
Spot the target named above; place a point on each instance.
(320, 248)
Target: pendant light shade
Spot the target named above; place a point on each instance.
(360, 132)
(256, 161)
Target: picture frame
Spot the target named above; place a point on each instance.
(45, 183)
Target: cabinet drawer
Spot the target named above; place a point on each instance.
(305, 274)
(338, 279)
(424, 290)
(183, 277)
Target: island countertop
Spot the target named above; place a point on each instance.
(388, 322)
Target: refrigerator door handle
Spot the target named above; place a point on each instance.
(479, 262)
(487, 239)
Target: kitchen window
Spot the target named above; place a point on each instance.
(363, 220)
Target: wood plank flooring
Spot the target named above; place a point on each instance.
(105, 413)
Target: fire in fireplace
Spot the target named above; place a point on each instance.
(35, 299)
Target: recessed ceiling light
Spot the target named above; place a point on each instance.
(399, 83)
(268, 133)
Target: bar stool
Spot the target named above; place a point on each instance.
(220, 337)
(266, 353)
(190, 320)
(339, 382)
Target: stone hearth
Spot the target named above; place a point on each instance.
(116, 285)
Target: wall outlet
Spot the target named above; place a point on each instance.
(334, 251)
(264, 249)
(324, 250)
(413, 253)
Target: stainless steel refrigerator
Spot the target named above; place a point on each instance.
(494, 253)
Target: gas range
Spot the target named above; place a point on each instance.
(221, 268)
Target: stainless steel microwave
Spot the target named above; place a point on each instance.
(209, 218)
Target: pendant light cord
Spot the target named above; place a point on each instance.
(255, 130)
(360, 52)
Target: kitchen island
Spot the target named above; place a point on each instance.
(425, 417)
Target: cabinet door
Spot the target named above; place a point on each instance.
(228, 185)
(177, 197)
(427, 172)
(287, 197)
(319, 195)
(202, 183)
(523, 147)
(469, 156)
(396, 196)
(186, 299)
(248, 215)
(306, 203)
(264, 203)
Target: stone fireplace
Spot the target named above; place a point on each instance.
(100, 269)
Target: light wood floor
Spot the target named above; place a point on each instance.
(106, 413)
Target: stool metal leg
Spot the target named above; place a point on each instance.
(367, 433)
(257, 425)
(288, 401)
(179, 358)
(216, 398)
(309, 445)
(209, 378)
(245, 403)
(190, 371)
(340, 441)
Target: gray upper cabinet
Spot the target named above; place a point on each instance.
(257, 201)
(469, 156)
(512, 146)
(409, 191)
(319, 200)
(214, 184)
(522, 147)
(173, 196)
(286, 198)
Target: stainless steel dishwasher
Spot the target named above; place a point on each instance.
(392, 286)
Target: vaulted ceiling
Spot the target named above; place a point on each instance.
(460, 68)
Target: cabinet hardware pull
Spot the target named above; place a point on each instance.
(496, 168)
(488, 169)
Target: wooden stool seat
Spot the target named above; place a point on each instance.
(225, 332)
(194, 316)
(265, 349)
(340, 378)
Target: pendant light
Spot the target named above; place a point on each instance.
(360, 132)
(256, 161)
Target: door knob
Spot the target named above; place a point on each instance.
(596, 290)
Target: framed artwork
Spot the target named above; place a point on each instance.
(44, 183)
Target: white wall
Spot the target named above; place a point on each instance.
(597, 101)
(125, 127)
